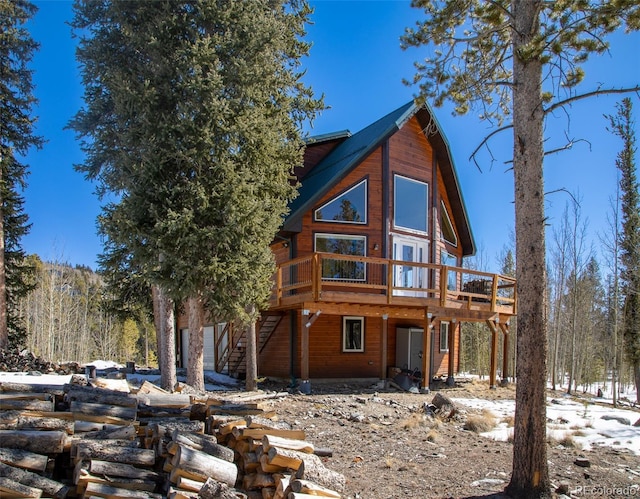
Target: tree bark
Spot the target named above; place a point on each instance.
(251, 358)
(195, 367)
(157, 314)
(4, 331)
(530, 475)
(168, 375)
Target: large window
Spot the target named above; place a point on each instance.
(342, 244)
(348, 207)
(448, 233)
(353, 334)
(444, 336)
(410, 206)
(452, 277)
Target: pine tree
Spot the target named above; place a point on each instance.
(194, 110)
(514, 60)
(623, 125)
(16, 138)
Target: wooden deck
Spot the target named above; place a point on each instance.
(374, 286)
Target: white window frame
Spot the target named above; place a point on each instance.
(335, 198)
(395, 205)
(446, 336)
(345, 347)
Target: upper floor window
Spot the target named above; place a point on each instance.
(342, 244)
(446, 227)
(348, 207)
(410, 204)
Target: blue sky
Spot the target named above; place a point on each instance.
(357, 63)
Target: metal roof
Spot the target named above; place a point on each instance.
(355, 148)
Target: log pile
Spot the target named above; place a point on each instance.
(96, 441)
(16, 360)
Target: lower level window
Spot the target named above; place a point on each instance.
(444, 336)
(353, 334)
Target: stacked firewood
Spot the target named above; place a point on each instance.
(103, 441)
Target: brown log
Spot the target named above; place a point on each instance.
(12, 489)
(258, 481)
(107, 468)
(7, 387)
(204, 443)
(167, 400)
(268, 492)
(258, 433)
(24, 395)
(189, 484)
(175, 493)
(148, 387)
(227, 428)
(82, 478)
(116, 385)
(26, 420)
(314, 470)
(269, 441)
(205, 465)
(113, 433)
(46, 442)
(27, 405)
(48, 486)
(23, 459)
(266, 467)
(107, 451)
(287, 458)
(88, 411)
(100, 396)
(311, 488)
(262, 422)
(108, 492)
(282, 488)
(213, 489)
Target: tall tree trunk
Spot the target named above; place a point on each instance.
(530, 475)
(157, 320)
(167, 351)
(251, 357)
(195, 366)
(4, 331)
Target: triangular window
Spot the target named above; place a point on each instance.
(348, 207)
(448, 234)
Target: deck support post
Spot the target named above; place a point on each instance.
(494, 354)
(451, 343)
(505, 354)
(383, 346)
(304, 350)
(426, 351)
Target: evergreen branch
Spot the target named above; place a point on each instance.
(593, 93)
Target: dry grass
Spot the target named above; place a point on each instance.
(565, 441)
(432, 435)
(417, 420)
(480, 423)
(508, 420)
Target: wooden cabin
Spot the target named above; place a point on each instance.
(369, 274)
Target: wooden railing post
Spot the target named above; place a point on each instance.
(494, 293)
(389, 281)
(279, 285)
(444, 272)
(316, 276)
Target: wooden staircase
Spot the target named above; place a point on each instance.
(233, 356)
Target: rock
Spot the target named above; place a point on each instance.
(637, 423)
(563, 489)
(356, 417)
(583, 462)
(619, 419)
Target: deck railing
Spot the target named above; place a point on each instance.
(356, 279)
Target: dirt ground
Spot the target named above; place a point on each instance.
(387, 447)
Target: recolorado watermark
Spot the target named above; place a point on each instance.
(607, 491)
